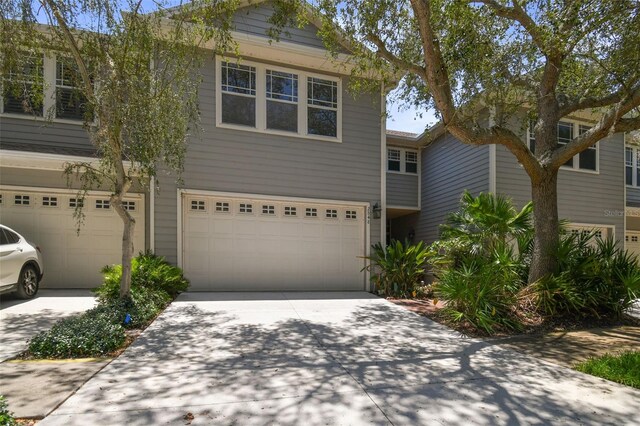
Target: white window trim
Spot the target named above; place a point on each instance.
(261, 101)
(635, 164)
(403, 161)
(591, 226)
(576, 159)
(49, 99)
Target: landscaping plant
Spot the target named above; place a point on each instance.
(91, 334)
(6, 416)
(398, 268)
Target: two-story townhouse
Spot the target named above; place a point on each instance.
(277, 193)
(590, 187)
(632, 193)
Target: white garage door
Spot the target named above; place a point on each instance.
(632, 242)
(70, 260)
(268, 245)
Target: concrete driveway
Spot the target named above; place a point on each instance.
(329, 358)
(22, 319)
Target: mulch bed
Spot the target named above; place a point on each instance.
(532, 324)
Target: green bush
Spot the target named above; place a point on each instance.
(595, 278)
(91, 334)
(480, 293)
(6, 416)
(142, 306)
(398, 268)
(148, 271)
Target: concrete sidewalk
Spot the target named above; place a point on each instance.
(330, 358)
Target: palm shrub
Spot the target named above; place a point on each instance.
(397, 268)
(480, 262)
(595, 277)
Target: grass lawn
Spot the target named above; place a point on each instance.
(623, 368)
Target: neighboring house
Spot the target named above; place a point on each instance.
(591, 190)
(277, 193)
(632, 190)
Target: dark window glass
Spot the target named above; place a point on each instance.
(238, 110)
(588, 159)
(628, 175)
(322, 122)
(8, 237)
(411, 167)
(238, 78)
(282, 116)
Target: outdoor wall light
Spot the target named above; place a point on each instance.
(376, 211)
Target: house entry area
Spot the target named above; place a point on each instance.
(256, 243)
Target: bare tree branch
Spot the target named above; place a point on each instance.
(594, 102)
(384, 53)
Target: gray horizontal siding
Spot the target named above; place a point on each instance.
(248, 162)
(37, 135)
(582, 197)
(448, 168)
(633, 197)
(255, 20)
(402, 190)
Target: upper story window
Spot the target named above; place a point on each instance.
(44, 85)
(402, 161)
(584, 161)
(70, 102)
(264, 98)
(23, 88)
(632, 166)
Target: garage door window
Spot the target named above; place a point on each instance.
(290, 211)
(268, 210)
(50, 201)
(246, 208)
(102, 204)
(198, 205)
(22, 200)
(311, 212)
(222, 207)
(0, 198)
(129, 205)
(331, 214)
(75, 203)
(351, 214)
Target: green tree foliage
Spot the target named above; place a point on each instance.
(489, 66)
(137, 73)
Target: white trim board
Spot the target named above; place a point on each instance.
(137, 195)
(43, 161)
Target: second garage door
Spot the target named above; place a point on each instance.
(235, 243)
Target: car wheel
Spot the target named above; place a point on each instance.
(28, 283)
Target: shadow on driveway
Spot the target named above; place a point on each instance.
(330, 359)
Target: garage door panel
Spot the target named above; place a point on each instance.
(71, 260)
(274, 245)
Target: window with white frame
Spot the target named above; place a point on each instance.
(238, 86)
(402, 161)
(102, 204)
(331, 214)
(632, 166)
(50, 201)
(22, 200)
(75, 203)
(311, 212)
(586, 160)
(290, 211)
(70, 102)
(198, 205)
(22, 88)
(282, 101)
(269, 210)
(129, 205)
(273, 99)
(222, 207)
(245, 208)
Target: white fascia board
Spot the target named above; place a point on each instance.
(43, 161)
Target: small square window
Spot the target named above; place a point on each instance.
(311, 212)
(634, 238)
(246, 208)
(222, 206)
(351, 214)
(331, 214)
(0, 198)
(268, 209)
(129, 205)
(102, 204)
(22, 200)
(76, 203)
(50, 201)
(290, 211)
(198, 205)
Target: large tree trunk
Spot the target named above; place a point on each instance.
(127, 245)
(546, 225)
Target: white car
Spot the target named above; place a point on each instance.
(20, 264)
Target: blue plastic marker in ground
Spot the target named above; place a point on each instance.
(127, 319)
